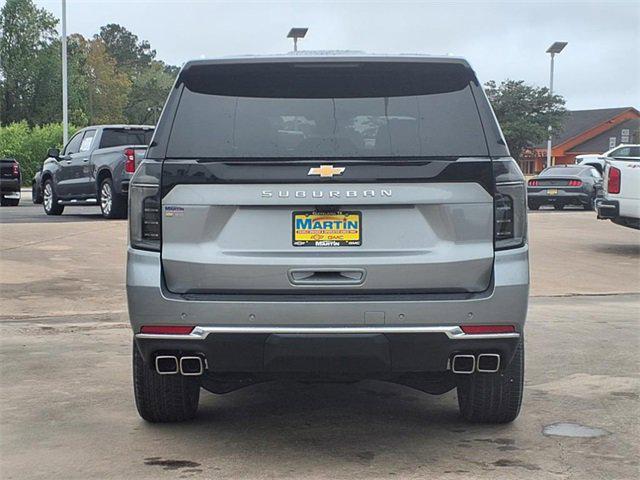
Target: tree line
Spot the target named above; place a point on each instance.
(113, 77)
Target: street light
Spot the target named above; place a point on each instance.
(556, 47)
(156, 111)
(296, 33)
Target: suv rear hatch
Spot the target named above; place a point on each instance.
(327, 177)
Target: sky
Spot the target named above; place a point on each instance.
(600, 67)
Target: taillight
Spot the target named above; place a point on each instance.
(144, 207)
(510, 205)
(534, 183)
(16, 170)
(575, 183)
(130, 162)
(615, 175)
(504, 216)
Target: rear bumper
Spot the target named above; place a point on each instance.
(563, 197)
(329, 351)
(10, 187)
(300, 332)
(608, 209)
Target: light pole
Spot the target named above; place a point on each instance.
(65, 109)
(556, 47)
(296, 33)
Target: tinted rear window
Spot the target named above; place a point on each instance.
(562, 171)
(116, 137)
(343, 110)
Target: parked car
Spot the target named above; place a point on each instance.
(563, 185)
(598, 161)
(620, 202)
(10, 180)
(95, 167)
(394, 252)
(36, 188)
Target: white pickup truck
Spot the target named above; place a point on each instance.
(621, 199)
(598, 160)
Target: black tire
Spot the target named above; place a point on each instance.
(50, 199)
(112, 204)
(35, 197)
(493, 397)
(163, 398)
(558, 206)
(533, 206)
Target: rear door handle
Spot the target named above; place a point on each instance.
(327, 276)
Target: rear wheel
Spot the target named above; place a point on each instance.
(558, 206)
(50, 200)
(533, 205)
(112, 204)
(35, 196)
(163, 398)
(493, 397)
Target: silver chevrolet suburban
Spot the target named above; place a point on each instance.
(328, 218)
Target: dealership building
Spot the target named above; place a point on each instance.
(586, 131)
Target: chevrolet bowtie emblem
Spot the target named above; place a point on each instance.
(326, 171)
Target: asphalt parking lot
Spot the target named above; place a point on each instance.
(66, 396)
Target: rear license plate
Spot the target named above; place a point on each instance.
(552, 191)
(316, 229)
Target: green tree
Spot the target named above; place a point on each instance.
(525, 113)
(131, 56)
(77, 48)
(112, 77)
(107, 89)
(148, 93)
(26, 33)
(46, 102)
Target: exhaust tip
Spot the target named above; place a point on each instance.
(166, 365)
(464, 364)
(191, 366)
(488, 362)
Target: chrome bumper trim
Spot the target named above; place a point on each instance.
(453, 332)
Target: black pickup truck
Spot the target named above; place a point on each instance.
(94, 168)
(10, 178)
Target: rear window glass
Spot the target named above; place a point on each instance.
(113, 137)
(327, 111)
(561, 171)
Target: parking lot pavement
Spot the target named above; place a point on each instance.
(66, 398)
(27, 212)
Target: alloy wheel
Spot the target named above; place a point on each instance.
(106, 198)
(48, 197)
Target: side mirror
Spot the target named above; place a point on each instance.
(54, 153)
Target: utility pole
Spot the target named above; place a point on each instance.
(65, 107)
